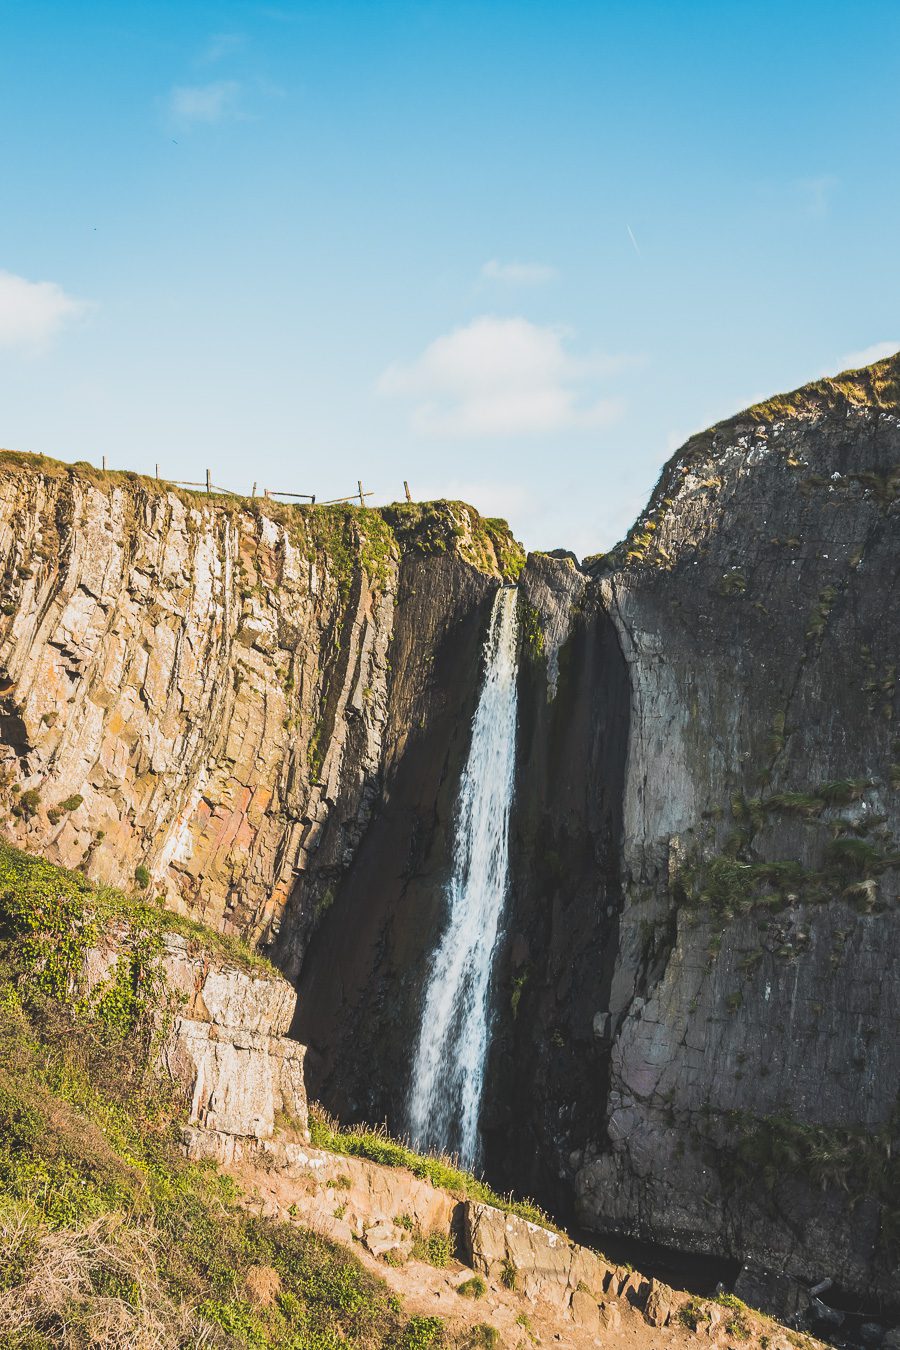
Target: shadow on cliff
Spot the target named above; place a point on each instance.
(362, 976)
(545, 1094)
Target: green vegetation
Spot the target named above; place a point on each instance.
(54, 915)
(107, 1236)
(531, 629)
(731, 882)
(726, 885)
(509, 552)
(422, 1333)
(876, 386)
(439, 527)
(518, 985)
(819, 616)
(736, 1326)
(808, 802)
(437, 1248)
(474, 1287)
(760, 1151)
(694, 1314)
(348, 537)
(361, 1141)
(508, 1274)
(483, 1337)
(27, 803)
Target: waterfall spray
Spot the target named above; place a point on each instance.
(448, 1069)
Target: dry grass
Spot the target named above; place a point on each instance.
(97, 1285)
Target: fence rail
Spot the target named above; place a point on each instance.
(207, 485)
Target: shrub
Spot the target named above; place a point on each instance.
(472, 1288)
(27, 803)
(422, 1333)
(508, 1273)
(142, 876)
(436, 1248)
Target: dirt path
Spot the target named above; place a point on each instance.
(387, 1215)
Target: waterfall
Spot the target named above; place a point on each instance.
(448, 1069)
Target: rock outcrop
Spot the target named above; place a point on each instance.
(220, 1034)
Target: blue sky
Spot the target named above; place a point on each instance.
(510, 252)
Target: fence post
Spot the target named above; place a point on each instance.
(157, 473)
(104, 464)
(362, 500)
(407, 491)
(313, 500)
(208, 481)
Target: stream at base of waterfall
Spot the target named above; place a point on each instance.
(449, 1062)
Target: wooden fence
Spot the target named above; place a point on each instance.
(273, 493)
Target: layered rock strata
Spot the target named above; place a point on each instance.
(220, 1035)
(195, 691)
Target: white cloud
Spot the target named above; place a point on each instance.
(877, 352)
(32, 312)
(502, 377)
(518, 274)
(204, 103)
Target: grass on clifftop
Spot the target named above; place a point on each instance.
(876, 387)
(346, 535)
(361, 1141)
(57, 913)
(108, 1236)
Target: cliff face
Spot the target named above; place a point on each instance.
(747, 1050)
(694, 1035)
(195, 691)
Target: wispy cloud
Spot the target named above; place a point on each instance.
(221, 45)
(205, 104)
(877, 352)
(518, 273)
(503, 377)
(816, 193)
(33, 312)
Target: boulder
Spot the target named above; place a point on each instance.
(383, 1237)
(545, 1264)
(585, 1311)
(610, 1316)
(659, 1305)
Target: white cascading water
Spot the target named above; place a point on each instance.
(448, 1069)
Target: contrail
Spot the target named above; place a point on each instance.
(632, 238)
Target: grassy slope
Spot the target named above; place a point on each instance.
(107, 1235)
(375, 1144)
